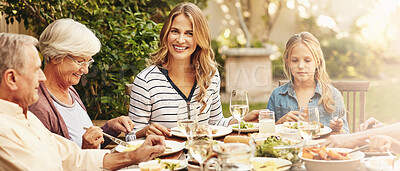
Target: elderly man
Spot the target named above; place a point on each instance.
(25, 144)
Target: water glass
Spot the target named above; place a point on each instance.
(266, 121)
(308, 123)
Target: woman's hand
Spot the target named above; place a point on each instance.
(153, 129)
(92, 138)
(252, 116)
(292, 116)
(336, 125)
(121, 124)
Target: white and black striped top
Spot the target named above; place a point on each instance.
(155, 99)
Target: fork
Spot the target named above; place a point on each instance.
(130, 136)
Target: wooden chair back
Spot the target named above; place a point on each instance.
(354, 95)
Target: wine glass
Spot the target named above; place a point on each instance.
(308, 123)
(200, 146)
(239, 105)
(187, 118)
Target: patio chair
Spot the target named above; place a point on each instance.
(354, 95)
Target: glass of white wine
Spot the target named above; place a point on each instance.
(239, 105)
(200, 146)
(308, 123)
(187, 118)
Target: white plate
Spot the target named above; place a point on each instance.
(221, 131)
(245, 130)
(278, 161)
(172, 146)
(325, 130)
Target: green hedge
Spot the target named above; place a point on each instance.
(126, 30)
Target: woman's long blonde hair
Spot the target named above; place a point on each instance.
(202, 58)
(320, 76)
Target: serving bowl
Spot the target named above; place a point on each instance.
(334, 165)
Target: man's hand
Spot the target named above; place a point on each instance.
(121, 124)
(152, 147)
(370, 123)
(345, 141)
(92, 138)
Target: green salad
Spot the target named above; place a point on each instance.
(286, 151)
(245, 125)
(166, 165)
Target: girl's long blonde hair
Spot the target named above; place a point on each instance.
(202, 58)
(320, 76)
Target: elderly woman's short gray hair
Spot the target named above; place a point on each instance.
(66, 36)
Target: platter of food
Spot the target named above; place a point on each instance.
(330, 159)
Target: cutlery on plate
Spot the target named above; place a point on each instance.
(359, 148)
(286, 165)
(116, 140)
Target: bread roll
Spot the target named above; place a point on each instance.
(237, 139)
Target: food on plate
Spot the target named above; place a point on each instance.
(264, 166)
(290, 125)
(237, 139)
(245, 125)
(169, 164)
(285, 149)
(321, 153)
(214, 131)
(150, 166)
(293, 125)
(132, 147)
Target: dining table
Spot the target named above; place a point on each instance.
(182, 155)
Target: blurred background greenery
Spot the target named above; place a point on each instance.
(129, 31)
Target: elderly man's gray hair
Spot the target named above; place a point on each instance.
(67, 37)
(13, 51)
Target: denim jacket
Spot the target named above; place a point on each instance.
(283, 100)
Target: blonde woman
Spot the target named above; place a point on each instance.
(183, 70)
(309, 85)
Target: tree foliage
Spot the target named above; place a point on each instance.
(127, 34)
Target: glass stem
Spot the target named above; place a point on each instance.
(201, 166)
(239, 127)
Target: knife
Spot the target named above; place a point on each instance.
(116, 140)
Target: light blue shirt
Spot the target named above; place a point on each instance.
(283, 100)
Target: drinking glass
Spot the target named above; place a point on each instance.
(187, 118)
(308, 123)
(266, 121)
(200, 145)
(239, 105)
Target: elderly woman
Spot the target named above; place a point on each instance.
(67, 47)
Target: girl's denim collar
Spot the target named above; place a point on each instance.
(288, 89)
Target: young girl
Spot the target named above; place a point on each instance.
(309, 85)
(182, 71)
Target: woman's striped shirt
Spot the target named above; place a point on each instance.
(155, 99)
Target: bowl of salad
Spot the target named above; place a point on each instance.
(277, 147)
